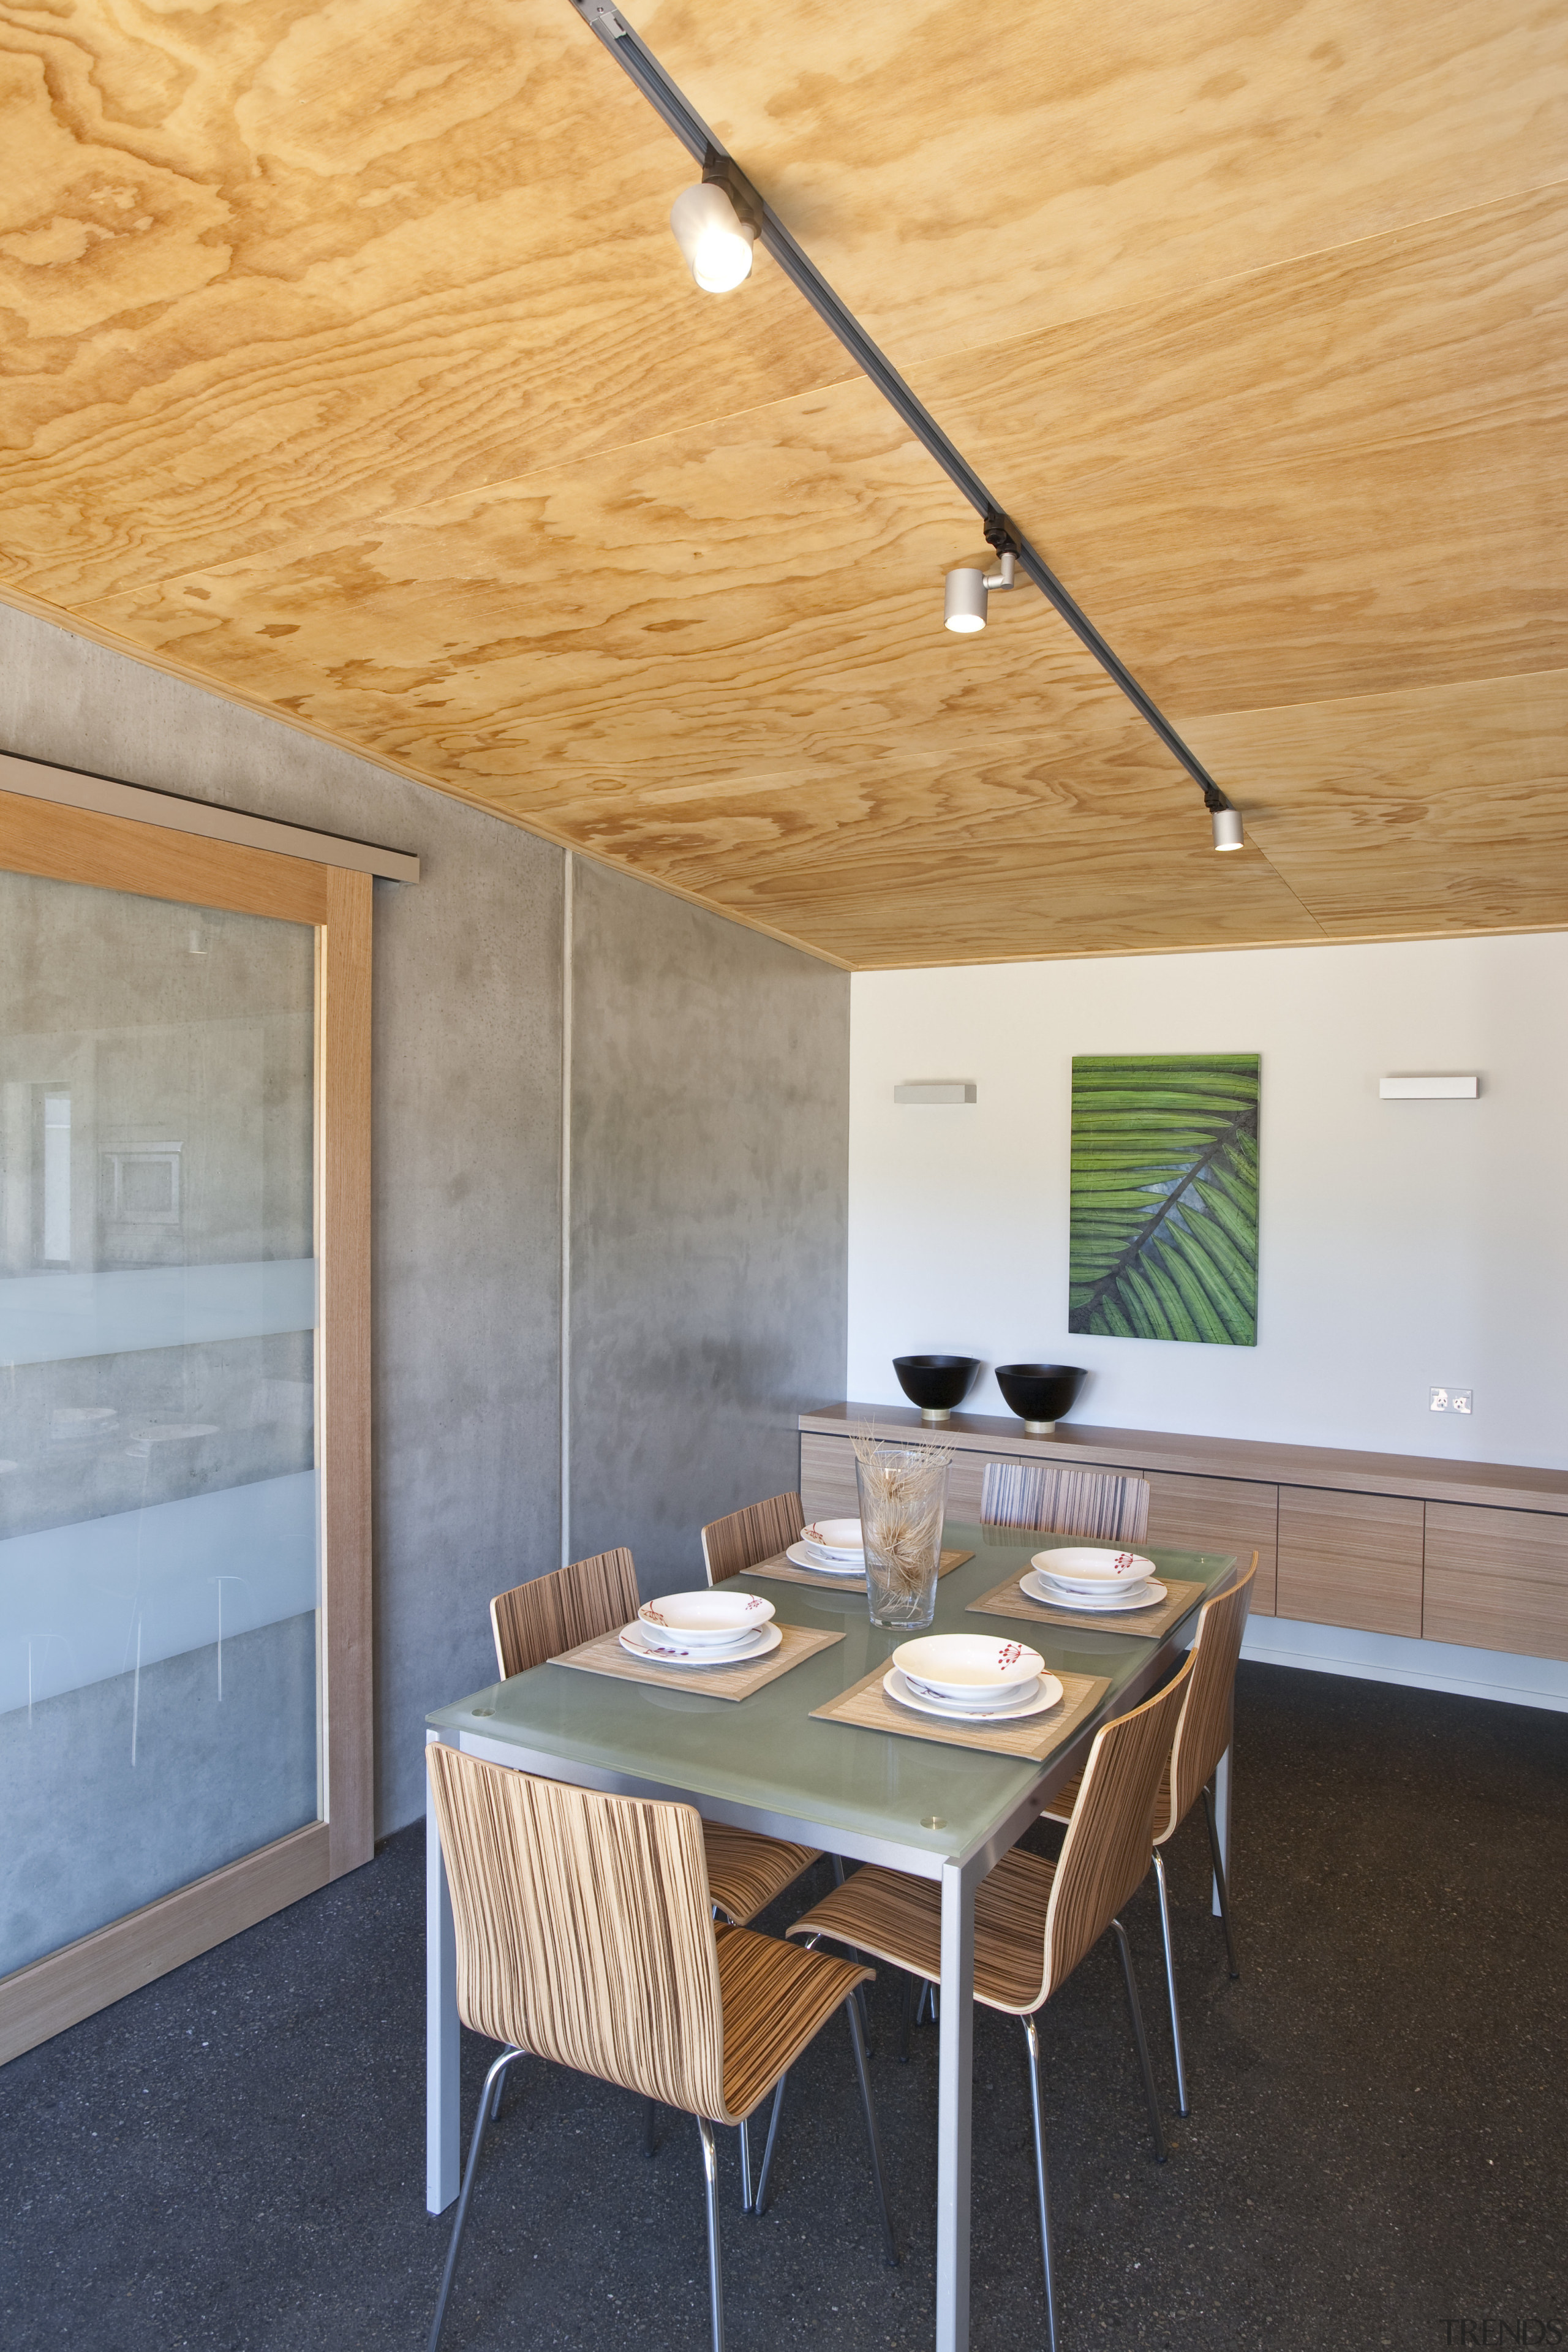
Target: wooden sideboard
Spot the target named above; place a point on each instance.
(1470, 1552)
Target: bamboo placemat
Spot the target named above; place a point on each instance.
(604, 1655)
(867, 1704)
(784, 1571)
(1009, 1600)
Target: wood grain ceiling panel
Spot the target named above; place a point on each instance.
(718, 657)
(275, 267)
(1344, 474)
(963, 175)
(1438, 810)
(354, 374)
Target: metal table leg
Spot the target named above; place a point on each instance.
(955, 2082)
(1222, 1822)
(443, 2148)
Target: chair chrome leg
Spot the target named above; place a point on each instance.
(1141, 2039)
(493, 2080)
(1171, 1980)
(759, 2202)
(873, 2142)
(837, 1862)
(715, 2271)
(1031, 2034)
(650, 2127)
(1219, 1880)
(745, 2167)
(810, 1943)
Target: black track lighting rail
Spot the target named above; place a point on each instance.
(638, 61)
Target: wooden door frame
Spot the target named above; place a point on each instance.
(114, 853)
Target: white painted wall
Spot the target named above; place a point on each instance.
(1401, 1243)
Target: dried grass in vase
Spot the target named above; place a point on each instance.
(903, 1491)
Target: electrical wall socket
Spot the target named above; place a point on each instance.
(1452, 1400)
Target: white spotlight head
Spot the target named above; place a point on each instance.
(1227, 828)
(965, 600)
(716, 241)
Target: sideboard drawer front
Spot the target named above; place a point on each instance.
(1218, 1515)
(1350, 1559)
(827, 1488)
(1497, 1580)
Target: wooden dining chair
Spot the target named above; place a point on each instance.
(746, 1870)
(1203, 1734)
(585, 1935)
(1034, 1919)
(759, 1532)
(1110, 1505)
(537, 1621)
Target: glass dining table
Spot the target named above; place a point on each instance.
(936, 1810)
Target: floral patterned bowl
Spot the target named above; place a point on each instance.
(969, 1666)
(701, 1621)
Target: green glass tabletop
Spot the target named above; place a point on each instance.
(767, 1752)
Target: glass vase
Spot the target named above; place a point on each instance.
(903, 1494)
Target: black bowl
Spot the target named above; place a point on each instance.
(1040, 1394)
(936, 1383)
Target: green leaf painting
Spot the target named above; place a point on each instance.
(1164, 1197)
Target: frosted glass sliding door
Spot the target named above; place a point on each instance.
(161, 1628)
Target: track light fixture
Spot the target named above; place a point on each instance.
(716, 223)
(967, 590)
(1226, 820)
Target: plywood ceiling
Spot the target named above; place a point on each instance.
(349, 368)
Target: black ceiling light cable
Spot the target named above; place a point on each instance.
(718, 165)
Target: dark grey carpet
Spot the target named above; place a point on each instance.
(231, 2161)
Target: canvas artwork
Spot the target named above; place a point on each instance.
(1164, 1197)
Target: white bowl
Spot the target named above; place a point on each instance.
(704, 1620)
(840, 1536)
(966, 1665)
(975, 1702)
(1086, 1565)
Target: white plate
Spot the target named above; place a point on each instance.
(1113, 1604)
(1094, 1564)
(978, 1702)
(804, 1556)
(756, 1645)
(737, 1645)
(1046, 1694)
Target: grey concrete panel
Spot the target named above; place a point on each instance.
(126, 1788)
(466, 1135)
(711, 1111)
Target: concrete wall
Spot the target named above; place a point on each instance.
(710, 1142)
(1402, 1244)
(466, 1138)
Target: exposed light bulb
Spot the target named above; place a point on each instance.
(716, 241)
(964, 608)
(1227, 829)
